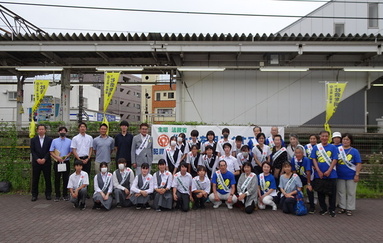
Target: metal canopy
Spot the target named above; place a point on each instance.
(159, 53)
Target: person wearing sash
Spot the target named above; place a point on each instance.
(289, 183)
(142, 188)
(103, 188)
(247, 188)
(267, 194)
(336, 139)
(223, 187)
(162, 184)
(172, 156)
(253, 141)
(325, 157)
(194, 140)
(209, 160)
(60, 152)
(103, 147)
(302, 165)
(231, 161)
(244, 156)
(41, 162)
(77, 185)
(270, 140)
(237, 145)
(261, 153)
(278, 156)
(142, 149)
(294, 143)
(313, 140)
(210, 136)
(193, 160)
(82, 147)
(200, 188)
(122, 181)
(181, 145)
(123, 144)
(225, 139)
(182, 183)
(348, 169)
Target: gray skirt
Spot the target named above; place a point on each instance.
(165, 200)
(139, 200)
(107, 204)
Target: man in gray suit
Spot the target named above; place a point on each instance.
(142, 149)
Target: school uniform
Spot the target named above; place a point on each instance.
(82, 144)
(220, 144)
(211, 164)
(122, 180)
(183, 184)
(190, 143)
(74, 182)
(204, 185)
(248, 185)
(205, 144)
(172, 158)
(163, 180)
(183, 148)
(194, 162)
(241, 159)
(103, 183)
(141, 183)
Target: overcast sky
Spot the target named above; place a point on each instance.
(71, 20)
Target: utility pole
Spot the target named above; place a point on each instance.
(80, 98)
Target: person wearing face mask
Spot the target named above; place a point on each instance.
(103, 187)
(122, 181)
(224, 140)
(60, 151)
(172, 156)
(244, 156)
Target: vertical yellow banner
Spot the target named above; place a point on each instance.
(334, 95)
(110, 85)
(40, 88)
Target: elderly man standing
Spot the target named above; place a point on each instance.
(142, 149)
(223, 187)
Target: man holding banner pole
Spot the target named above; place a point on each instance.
(142, 149)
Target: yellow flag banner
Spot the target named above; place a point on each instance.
(334, 95)
(110, 85)
(40, 88)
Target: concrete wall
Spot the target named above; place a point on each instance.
(264, 98)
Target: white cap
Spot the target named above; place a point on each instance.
(336, 135)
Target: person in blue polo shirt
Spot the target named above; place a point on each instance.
(325, 157)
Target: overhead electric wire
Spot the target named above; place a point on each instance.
(187, 12)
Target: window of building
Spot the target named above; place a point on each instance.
(164, 94)
(12, 95)
(138, 106)
(165, 111)
(138, 118)
(85, 102)
(373, 15)
(138, 95)
(339, 29)
(32, 98)
(158, 96)
(171, 95)
(121, 102)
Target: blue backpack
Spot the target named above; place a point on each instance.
(300, 207)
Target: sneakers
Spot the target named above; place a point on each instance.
(147, 206)
(229, 206)
(57, 199)
(333, 214)
(158, 210)
(66, 198)
(75, 205)
(138, 207)
(217, 204)
(312, 210)
(82, 206)
(274, 208)
(323, 212)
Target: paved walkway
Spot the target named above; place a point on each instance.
(46, 221)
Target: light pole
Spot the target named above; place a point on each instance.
(147, 97)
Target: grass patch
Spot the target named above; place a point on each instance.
(365, 191)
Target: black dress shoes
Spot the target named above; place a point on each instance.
(34, 199)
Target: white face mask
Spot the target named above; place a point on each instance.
(104, 169)
(121, 166)
(173, 143)
(245, 154)
(179, 139)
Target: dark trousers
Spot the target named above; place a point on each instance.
(36, 171)
(331, 197)
(287, 204)
(250, 209)
(65, 178)
(183, 201)
(310, 195)
(199, 202)
(86, 167)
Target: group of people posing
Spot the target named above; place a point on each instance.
(261, 173)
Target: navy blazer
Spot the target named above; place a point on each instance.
(39, 152)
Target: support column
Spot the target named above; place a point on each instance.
(65, 96)
(20, 100)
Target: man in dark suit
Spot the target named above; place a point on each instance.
(41, 161)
